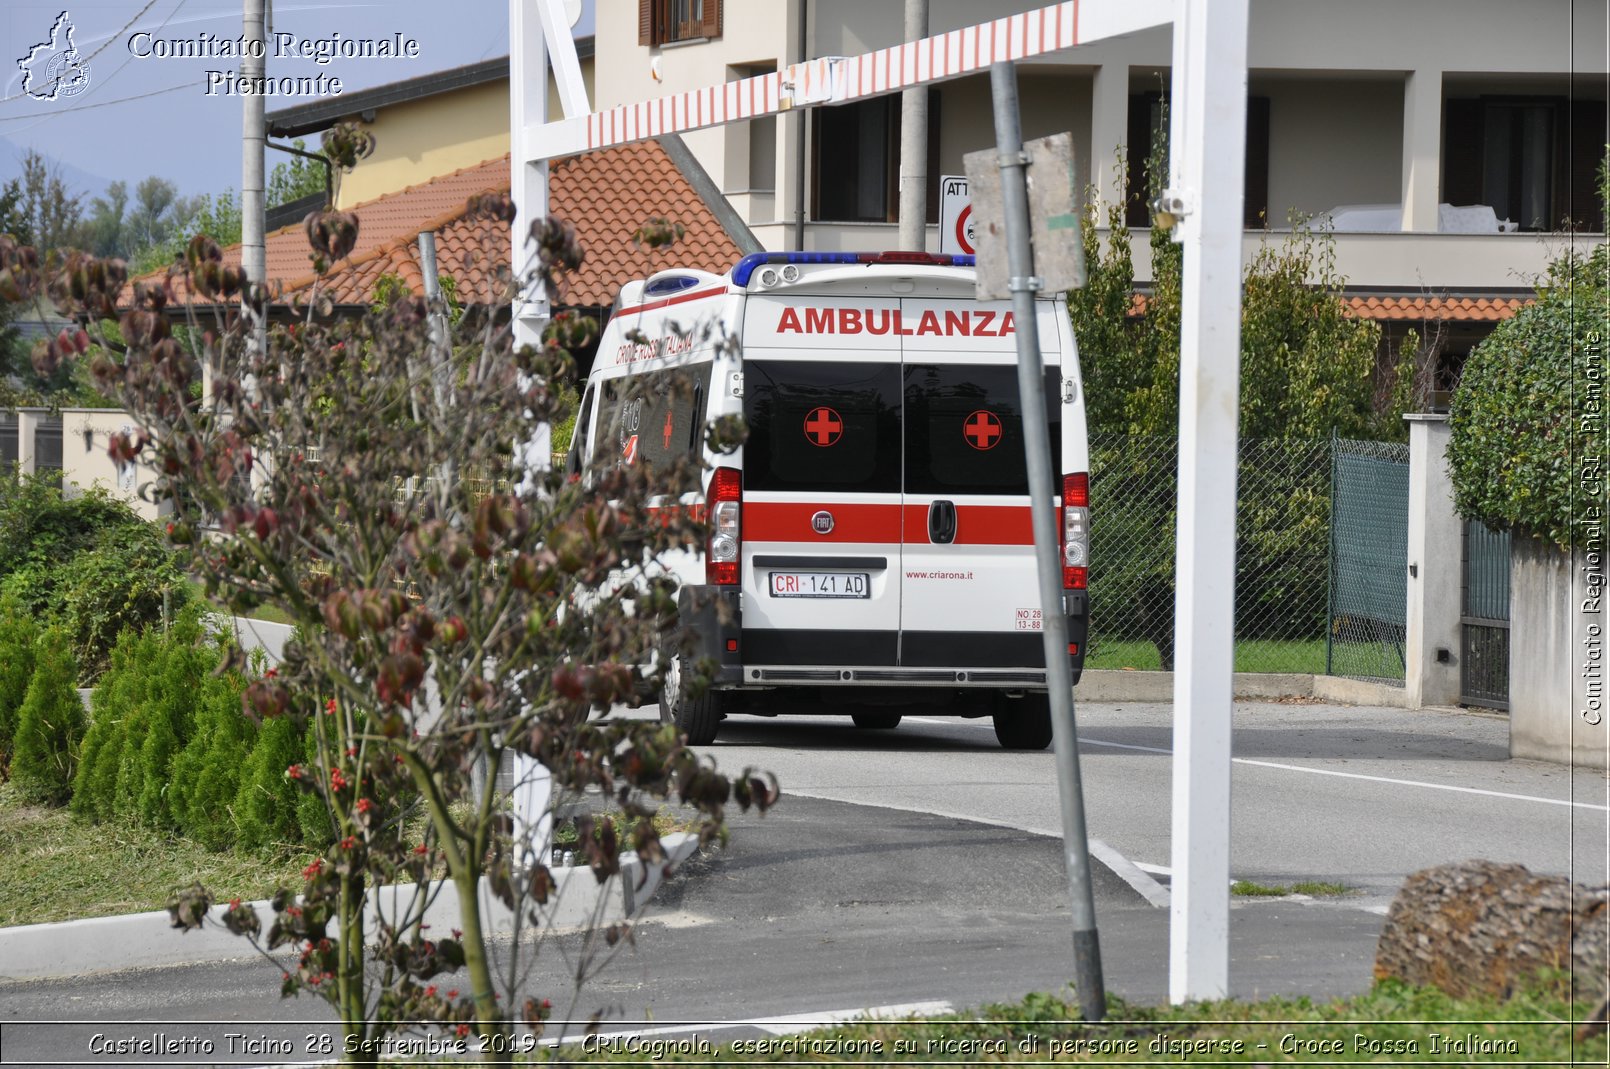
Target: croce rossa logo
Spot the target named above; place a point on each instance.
(53, 69)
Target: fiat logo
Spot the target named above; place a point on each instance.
(822, 523)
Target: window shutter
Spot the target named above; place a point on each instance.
(1139, 138)
(1255, 200)
(1461, 152)
(645, 21)
(711, 26)
(1588, 139)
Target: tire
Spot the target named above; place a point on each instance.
(876, 721)
(1023, 723)
(698, 718)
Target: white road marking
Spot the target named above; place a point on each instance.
(1360, 775)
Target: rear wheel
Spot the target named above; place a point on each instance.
(876, 721)
(1023, 723)
(698, 718)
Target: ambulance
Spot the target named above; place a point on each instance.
(870, 549)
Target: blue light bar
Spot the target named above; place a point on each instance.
(746, 267)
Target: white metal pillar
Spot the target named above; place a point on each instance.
(537, 29)
(1207, 166)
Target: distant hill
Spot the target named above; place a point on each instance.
(77, 179)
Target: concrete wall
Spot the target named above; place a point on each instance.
(1557, 665)
(86, 433)
(418, 140)
(1332, 141)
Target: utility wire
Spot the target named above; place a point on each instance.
(102, 104)
(149, 4)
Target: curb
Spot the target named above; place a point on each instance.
(147, 940)
(1118, 685)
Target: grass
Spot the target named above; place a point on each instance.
(1299, 656)
(56, 867)
(1312, 888)
(1390, 1023)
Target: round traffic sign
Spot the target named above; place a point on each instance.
(964, 230)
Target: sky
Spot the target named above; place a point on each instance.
(135, 115)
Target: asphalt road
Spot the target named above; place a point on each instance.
(918, 866)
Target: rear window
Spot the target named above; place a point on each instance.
(652, 418)
(816, 425)
(964, 429)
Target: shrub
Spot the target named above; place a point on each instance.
(207, 774)
(17, 637)
(1530, 400)
(49, 726)
(266, 804)
(88, 563)
(120, 692)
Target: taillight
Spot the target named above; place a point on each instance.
(725, 504)
(1075, 530)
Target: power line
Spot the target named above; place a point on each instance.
(149, 4)
(102, 104)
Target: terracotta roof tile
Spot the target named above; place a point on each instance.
(605, 195)
(1473, 309)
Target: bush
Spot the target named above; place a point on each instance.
(1521, 417)
(18, 635)
(206, 775)
(89, 564)
(49, 726)
(121, 691)
(266, 804)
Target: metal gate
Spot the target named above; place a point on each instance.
(1484, 618)
(1369, 528)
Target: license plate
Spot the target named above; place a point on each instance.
(820, 585)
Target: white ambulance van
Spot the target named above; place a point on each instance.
(870, 547)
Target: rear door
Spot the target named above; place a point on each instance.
(969, 595)
(822, 472)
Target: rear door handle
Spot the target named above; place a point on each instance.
(942, 522)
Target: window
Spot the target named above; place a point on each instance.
(818, 425)
(857, 161)
(964, 429)
(653, 418)
(662, 22)
(1531, 159)
(1146, 129)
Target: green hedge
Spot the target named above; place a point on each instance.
(49, 725)
(1530, 410)
(88, 564)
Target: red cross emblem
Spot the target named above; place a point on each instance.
(668, 430)
(982, 430)
(823, 426)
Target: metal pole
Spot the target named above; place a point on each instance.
(1037, 449)
(914, 145)
(253, 137)
(1208, 165)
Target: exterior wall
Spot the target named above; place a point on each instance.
(86, 433)
(1553, 644)
(418, 140)
(1332, 142)
(1356, 92)
(1420, 262)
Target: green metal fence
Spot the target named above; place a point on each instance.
(1369, 553)
(1284, 545)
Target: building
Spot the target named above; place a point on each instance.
(1385, 114)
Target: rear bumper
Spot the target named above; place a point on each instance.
(713, 617)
